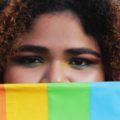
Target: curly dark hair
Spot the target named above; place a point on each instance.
(99, 19)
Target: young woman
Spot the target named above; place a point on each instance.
(58, 41)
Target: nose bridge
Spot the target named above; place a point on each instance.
(55, 72)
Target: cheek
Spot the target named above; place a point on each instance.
(86, 75)
(21, 75)
(26, 75)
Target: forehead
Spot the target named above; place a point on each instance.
(61, 30)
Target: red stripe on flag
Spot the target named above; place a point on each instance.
(2, 103)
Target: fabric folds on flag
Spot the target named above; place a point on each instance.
(60, 101)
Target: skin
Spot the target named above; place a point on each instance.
(56, 49)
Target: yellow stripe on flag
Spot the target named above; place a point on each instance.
(27, 102)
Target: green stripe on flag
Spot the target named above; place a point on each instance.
(61, 105)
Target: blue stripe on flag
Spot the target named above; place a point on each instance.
(105, 101)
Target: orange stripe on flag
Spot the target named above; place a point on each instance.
(2, 103)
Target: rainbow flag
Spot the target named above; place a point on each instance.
(60, 101)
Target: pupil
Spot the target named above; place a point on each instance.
(77, 62)
(30, 60)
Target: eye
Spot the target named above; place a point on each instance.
(80, 63)
(29, 61)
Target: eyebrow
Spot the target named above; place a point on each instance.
(78, 51)
(33, 48)
(72, 51)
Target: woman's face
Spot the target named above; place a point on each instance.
(56, 49)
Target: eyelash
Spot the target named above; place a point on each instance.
(29, 61)
(80, 63)
(34, 61)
